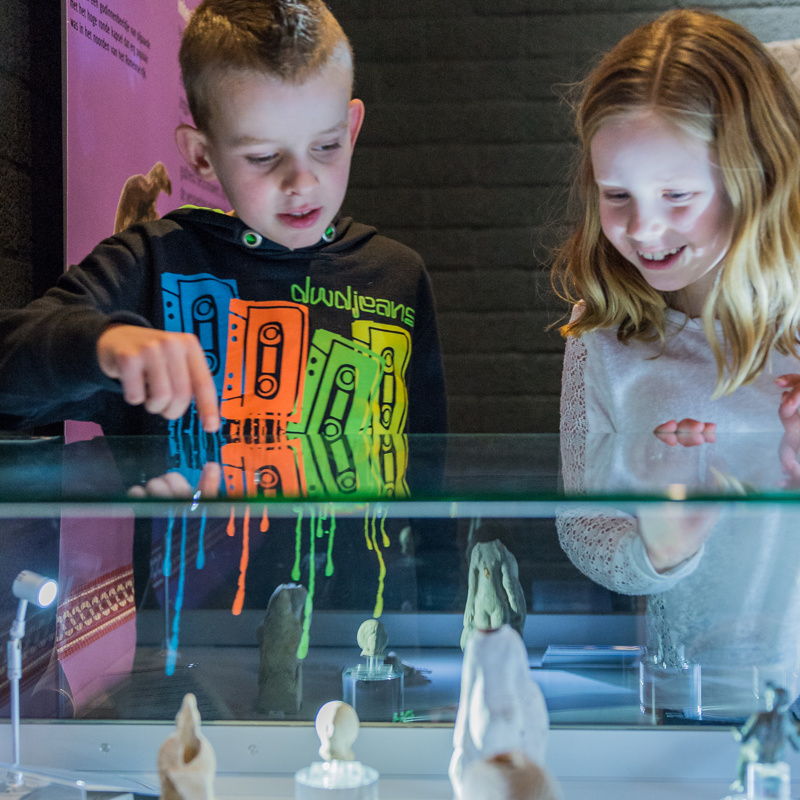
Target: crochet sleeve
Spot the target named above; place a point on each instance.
(603, 544)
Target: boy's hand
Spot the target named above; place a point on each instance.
(687, 432)
(161, 370)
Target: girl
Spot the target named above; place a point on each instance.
(685, 274)
(688, 251)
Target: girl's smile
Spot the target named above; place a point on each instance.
(662, 203)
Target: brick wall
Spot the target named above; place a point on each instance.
(464, 156)
(30, 148)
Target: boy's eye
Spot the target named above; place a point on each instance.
(261, 160)
(330, 147)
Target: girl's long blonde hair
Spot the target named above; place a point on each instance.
(713, 78)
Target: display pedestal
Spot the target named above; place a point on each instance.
(374, 689)
(670, 688)
(345, 780)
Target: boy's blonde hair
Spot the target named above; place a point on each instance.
(712, 78)
(286, 39)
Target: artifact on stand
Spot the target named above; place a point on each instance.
(280, 671)
(495, 595)
(502, 719)
(509, 776)
(337, 727)
(761, 771)
(186, 760)
(375, 689)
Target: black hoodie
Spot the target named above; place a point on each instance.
(283, 330)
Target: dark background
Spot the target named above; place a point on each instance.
(464, 155)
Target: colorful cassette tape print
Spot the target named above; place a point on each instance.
(264, 372)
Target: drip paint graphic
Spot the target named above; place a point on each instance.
(172, 644)
(264, 521)
(316, 529)
(372, 544)
(231, 529)
(166, 568)
(331, 532)
(238, 601)
(201, 550)
(302, 648)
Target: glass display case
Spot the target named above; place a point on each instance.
(656, 588)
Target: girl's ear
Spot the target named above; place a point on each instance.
(193, 146)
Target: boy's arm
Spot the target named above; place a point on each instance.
(49, 358)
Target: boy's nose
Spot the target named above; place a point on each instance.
(299, 179)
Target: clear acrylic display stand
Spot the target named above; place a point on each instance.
(374, 689)
(347, 780)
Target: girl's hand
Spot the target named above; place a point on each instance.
(688, 432)
(788, 413)
(674, 532)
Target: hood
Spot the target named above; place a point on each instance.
(349, 234)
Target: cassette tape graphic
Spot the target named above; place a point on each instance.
(266, 357)
(342, 379)
(391, 459)
(393, 344)
(341, 465)
(267, 471)
(198, 304)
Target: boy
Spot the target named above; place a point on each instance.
(297, 320)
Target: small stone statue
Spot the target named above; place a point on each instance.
(280, 675)
(500, 709)
(186, 760)
(372, 638)
(765, 734)
(494, 595)
(337, 727)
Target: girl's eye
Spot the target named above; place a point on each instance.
(678, 197)
(615, 196)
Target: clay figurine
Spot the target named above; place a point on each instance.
(280, 676)
(765, 734)
(500, 709)
(186, 760)
(509, 776)
(495, 595)
(372, 638)
(337, 727)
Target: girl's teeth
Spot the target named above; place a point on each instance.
(660, 256)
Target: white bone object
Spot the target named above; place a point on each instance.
(337, 727)
(186, 760)
(511, 776)
(500, 709)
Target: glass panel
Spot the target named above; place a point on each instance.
(252, 594)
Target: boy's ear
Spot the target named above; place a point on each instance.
(355, 120)
(193, 146)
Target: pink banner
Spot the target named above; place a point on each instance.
(124, 100)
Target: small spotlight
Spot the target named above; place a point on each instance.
(34, 588)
